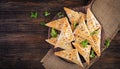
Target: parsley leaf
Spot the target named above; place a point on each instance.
(75, 24)
(94, 32)
(46, 13)
(92, 54)
(53, 33)
(84, 43)
(60, 14)
(34, 15)
(42, 23)
(107, 43)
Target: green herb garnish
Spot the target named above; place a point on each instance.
(84, 43)
(75, 24)
(94, 32)
(34, 15)
(92, 54)
(53, 33)
(60, 14)
(107, 43)
(42, 23)
(47, 13)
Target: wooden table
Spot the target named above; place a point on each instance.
(22, 38)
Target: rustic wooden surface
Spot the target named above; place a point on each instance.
(22, 44)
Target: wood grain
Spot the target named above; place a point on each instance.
(22, 44)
